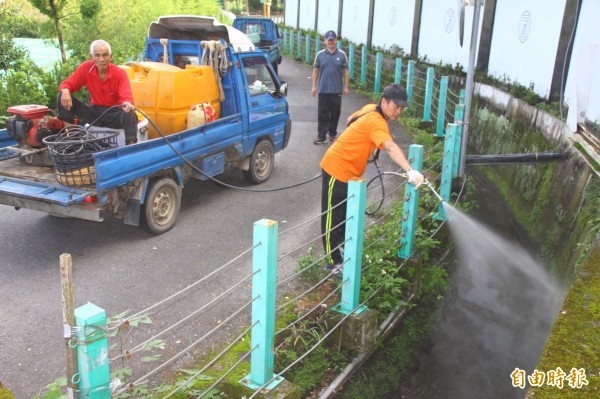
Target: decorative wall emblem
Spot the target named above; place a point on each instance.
(393, 16)
(449, 20)
(524, 26)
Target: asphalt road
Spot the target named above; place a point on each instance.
(120, 267)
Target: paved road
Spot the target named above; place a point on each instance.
(121, 267)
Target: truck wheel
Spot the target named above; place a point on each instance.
(162, 205)
(261, 162)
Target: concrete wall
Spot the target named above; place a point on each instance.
(548, 199)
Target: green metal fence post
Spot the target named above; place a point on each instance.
(428, 94)
(378, 63)
(461, 96)
(264, 281)
(410, 80)
(92, 352)
(307, 50)
(441, 116)
(363, 66)
(351, 61)
(299, 48)
(353, 248)
(291, 52)
(411, 205)
(398, 71)
(459, 113)
(285, 40)
(447, 165)
(318, 44)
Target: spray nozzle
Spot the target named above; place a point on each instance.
(430, 186)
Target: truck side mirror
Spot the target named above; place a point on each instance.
(283, 88)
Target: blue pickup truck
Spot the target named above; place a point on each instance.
(142, 183)
(263, 33)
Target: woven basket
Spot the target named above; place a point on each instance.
(72, 155)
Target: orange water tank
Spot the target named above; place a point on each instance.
(165, 93)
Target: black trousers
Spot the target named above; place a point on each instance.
(333, 218)
(329, 109)
(114, 118)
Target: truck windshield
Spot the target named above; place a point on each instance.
(258, 76)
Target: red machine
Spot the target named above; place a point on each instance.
(31, 123)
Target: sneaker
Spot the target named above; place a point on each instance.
(332, 139)
(320, 141)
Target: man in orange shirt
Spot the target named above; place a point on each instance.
(347, 158)
(108, 85)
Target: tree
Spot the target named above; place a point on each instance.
(54, 10)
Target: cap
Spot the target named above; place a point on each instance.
(397, 94)
(329, 35)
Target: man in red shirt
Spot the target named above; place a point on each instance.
(108, 86)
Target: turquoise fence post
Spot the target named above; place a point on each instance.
(317, 45)
(461, 96)
(378, 63)
(307, 50)
(428, 94)
(264, 280)
(447, 165)
(398, 71)
(353, 248)
(299, 47)
(92, 352)
(411, 205)
(285, 40)
(291, 44)
(363, 66)
(351, 61)
(410, 80)
(459, 113)
(441, 116)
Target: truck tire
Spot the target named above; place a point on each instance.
(162, 204)
(261, 163)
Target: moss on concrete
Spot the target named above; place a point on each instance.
(575, 337)
(5, 393)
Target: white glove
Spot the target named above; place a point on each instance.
(415, 178)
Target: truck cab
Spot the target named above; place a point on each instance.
(264, 34)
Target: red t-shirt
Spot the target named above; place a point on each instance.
(115, 89)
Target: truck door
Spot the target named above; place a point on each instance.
(267, 109)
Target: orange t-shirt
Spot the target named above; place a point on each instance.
(348, 155)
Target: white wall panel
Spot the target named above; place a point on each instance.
(439, 38)
(393, 24)
(307, 14)
(329, 11)
(290, 12)
(525, 40)
(355, 20)
(582, 92)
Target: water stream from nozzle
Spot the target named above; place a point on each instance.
(496, 318)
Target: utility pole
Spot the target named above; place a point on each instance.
(469, 86)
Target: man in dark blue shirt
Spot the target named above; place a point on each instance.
(331, 77)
